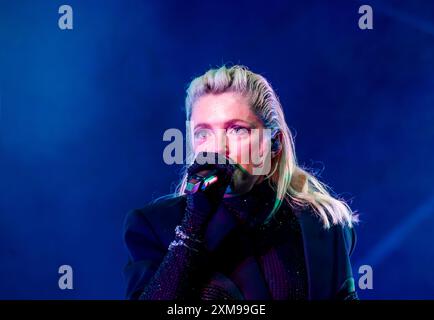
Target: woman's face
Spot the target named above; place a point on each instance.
(224, 123)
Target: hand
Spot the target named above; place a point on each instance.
(201, 204)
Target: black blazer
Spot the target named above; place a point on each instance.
(149, 231)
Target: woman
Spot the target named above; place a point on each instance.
(230, 233)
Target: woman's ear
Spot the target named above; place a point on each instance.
(276, 143)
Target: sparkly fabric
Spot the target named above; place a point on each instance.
(175, 278)
(244, 265)
(284, 275)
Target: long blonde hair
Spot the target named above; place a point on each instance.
(290, 182)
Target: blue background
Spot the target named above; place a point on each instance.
(83, 113)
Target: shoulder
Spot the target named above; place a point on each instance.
(327, 254)
(313, 228)
(156, 207)
(157, 218)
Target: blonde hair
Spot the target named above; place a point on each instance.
(290, 182)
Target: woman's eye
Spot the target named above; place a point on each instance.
(201, 134)
(238, 131)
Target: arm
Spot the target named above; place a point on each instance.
(174, 274)
(348, 288)
(155, 273)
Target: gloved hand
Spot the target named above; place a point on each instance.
(202, 204)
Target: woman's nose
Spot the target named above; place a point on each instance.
(221, 145)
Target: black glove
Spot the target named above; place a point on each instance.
(201, 204)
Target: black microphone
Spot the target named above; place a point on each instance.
(201, 181)
(212, 170)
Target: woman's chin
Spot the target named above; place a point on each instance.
(242, 183)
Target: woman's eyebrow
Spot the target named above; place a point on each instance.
(236, 120)
(239, 120)
(226, 123)
(202, 125)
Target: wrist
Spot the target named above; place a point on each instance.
(194, 225)
(188, 240)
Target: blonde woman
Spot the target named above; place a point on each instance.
(229, 232)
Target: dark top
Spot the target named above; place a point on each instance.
(293, 257)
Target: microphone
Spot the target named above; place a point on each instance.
(201, 181)
(213, 170)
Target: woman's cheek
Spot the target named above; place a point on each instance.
(257, 144)
(204, 145)
(257, 151)
(240, 151)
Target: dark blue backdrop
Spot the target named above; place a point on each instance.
(83, 113)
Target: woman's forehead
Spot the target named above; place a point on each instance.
(221, 108)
